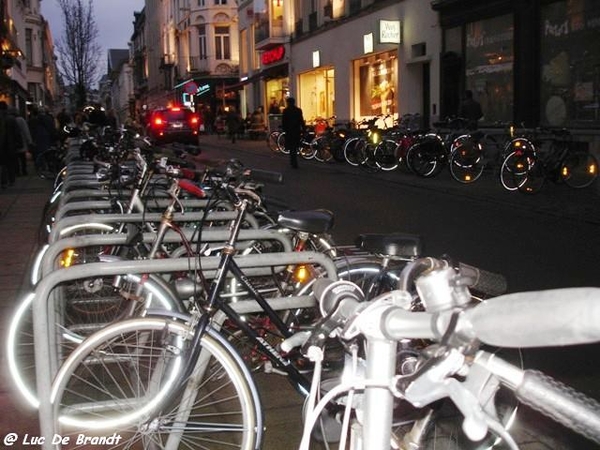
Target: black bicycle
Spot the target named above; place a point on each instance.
(550, 154)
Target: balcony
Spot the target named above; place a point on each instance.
(269, 32)
(197, 64)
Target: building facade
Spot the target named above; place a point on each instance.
(348, 59)
(29, 73)
(534, 62)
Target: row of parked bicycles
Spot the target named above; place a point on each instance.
(523, 159)
(161, 288)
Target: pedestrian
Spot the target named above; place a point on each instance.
(233, 122)
(292, 123)
(274, 107)
(470, 109)
(21, 163)
(43, 132)
(10, 142)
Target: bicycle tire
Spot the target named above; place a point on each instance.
(513, 172)
(71, 328)
(579, 170)
(466, 162)
(322, 149)
(423, 157)
(536, 176)
(281, 143)
(386, 155)
(351, 154)
(272, 141)
(124, 379)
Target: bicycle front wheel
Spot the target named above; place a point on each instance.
(514, 170)
(466, 162)
(579, 170)
(386, 155)
(124, 380)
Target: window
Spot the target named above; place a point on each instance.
(220, 2)
(202, 42)
(489, 66)
(222, 46)
(29, 46)
(570, 64)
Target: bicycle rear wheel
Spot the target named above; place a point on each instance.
(514, 170)
(322, 149)
(281, 143)
(272, 141)
(352, 151)
(424, 157)
(124, 380)
(536, 177)
(386, 155)
(466, 162)
(579, 170)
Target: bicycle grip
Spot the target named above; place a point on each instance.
(548, 318)
(489, 283)
(266, 176)
(561, 403)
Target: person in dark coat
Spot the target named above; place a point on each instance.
(470, 109)
(43, 132)
(292, 123)
(10, 142)
(234, 123)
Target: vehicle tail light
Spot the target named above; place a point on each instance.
(158, 122)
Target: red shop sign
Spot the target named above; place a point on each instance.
(273, 55)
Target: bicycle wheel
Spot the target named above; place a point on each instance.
(536, 176)
(322, 149)
(386, 155)
(514, 170)
(579, 170)
(423, 157)
(89, 306)
(272, 141)
(466, 162)
(123, 380)
(281, 143)
(352, 151)
(306, 150)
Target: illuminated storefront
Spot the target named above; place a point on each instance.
(317, 93)
(375, 85)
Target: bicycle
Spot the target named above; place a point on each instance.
(381, 380)
(548, 155)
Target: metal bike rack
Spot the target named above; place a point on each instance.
(58, 229)
(45, 355)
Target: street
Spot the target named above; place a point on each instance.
(538, 242)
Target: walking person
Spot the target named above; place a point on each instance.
(43, 132)
(470, 109)
(26, 142)
(233, 121)
(292, 123)
(10, 142)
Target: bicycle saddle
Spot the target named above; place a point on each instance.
(312, 221)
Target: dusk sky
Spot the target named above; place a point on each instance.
(113, 17)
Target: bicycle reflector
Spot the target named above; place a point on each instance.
(66, 259)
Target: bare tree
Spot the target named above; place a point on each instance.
(77, 49)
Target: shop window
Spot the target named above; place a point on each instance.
(316, 89)
(489, 57)
(570, 64)
(376, 85)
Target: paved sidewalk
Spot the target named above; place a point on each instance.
(21, 209)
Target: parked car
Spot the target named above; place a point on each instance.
(174, 124)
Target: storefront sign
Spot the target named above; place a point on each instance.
(368, 43)
(274, 55)
(316, 58)
(390, 32)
